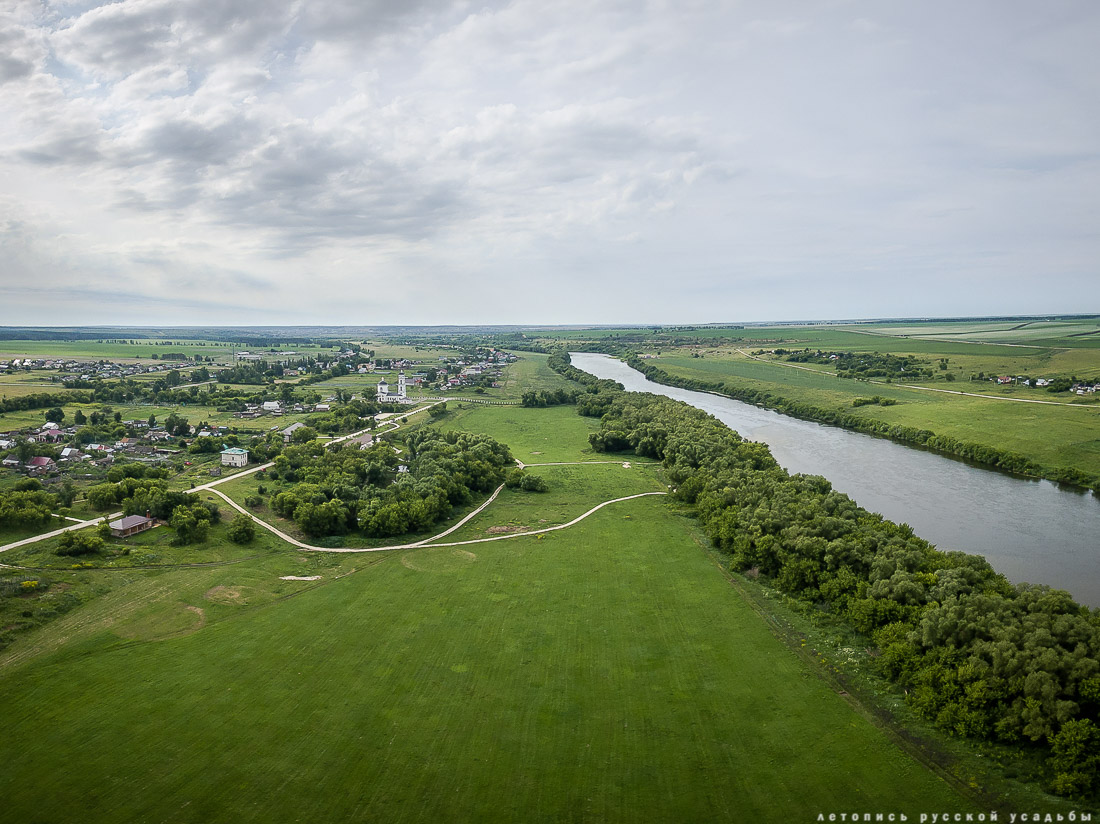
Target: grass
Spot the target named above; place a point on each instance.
(150, 548)
(606, 673)
(555, 433)
(573, 491)
(85, 350)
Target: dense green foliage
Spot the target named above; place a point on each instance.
(975, 654)
(242, 530)
(864, 364)
(542, 397)
(79, 543)
(383, 494)
(24, 508)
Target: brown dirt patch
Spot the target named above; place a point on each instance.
(502, 530)
(230, 595)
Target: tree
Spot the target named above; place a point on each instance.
(79, 418)
(152, 421)
(67, 493)
(191, 523)
(102, 496)
(56, 414)
(303, 435)
(78, 543)
(242, 530)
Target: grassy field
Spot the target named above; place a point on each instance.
(555, 433)
(95, 350)
(605, 673)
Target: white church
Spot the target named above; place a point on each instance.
(386, 396)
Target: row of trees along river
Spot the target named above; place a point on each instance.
(977, 654)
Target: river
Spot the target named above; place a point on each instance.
(1029, 530)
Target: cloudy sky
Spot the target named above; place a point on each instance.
(546, 161)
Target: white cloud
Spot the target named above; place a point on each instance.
(402, 156)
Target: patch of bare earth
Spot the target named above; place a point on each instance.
(232, 596)
(503, 530)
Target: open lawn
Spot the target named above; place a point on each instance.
(605, 673)
(555, 433)
(573, 490)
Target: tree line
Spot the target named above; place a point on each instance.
(978, 656)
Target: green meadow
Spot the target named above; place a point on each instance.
(552, 434)
(604, 673)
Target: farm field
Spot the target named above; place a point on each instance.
(603, 673)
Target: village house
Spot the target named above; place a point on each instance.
(40, 464)
(234, 456)
(290, 430)
(130, 525)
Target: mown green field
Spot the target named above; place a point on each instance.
(606, 673)
(555, 433)
(1054, 436)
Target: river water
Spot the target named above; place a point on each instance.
(1028, 530)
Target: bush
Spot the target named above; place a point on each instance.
(533, 483)
(242, 530)
(78, 543)
(253, 501)
(192, 524)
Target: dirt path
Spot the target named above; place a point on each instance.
(429, 541)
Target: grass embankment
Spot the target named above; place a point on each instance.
(1057, 440)
(603, 673)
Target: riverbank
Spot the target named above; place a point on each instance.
(983, 454)
(1030, 530)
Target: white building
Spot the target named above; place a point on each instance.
(386, 396)
(234, 456)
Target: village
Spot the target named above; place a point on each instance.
(87, 443)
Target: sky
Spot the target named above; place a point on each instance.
(372, 162)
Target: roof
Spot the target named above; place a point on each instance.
(293, 428)
(40, 461)
(234, 450)
(129, 522)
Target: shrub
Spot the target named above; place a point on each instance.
(78, 543)
(242, 530)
